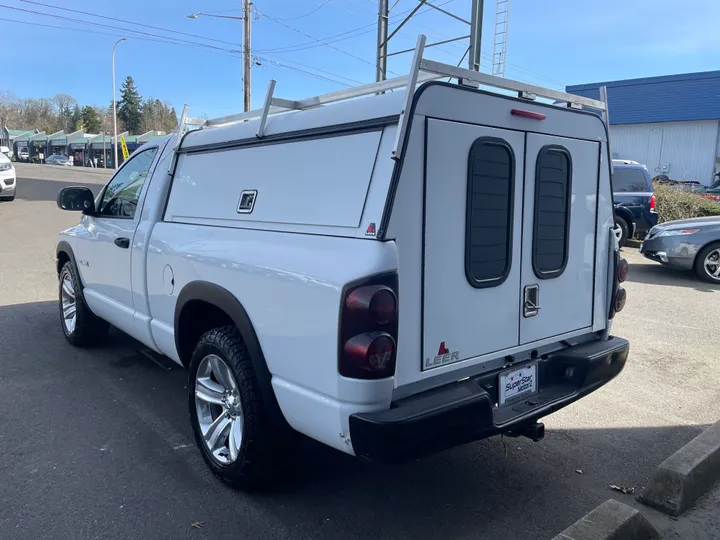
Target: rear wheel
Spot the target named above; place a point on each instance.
(707, 263)
(80, 325)
(624, 228)
(232, 428)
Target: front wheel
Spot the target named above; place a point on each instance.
(237, 438)
(707, 263)
(80, 325)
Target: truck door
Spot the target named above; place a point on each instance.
(105, 248)
(558, 245)
(472, 241)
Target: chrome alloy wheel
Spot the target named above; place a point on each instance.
(712, 264)
(68, 301)
(219, 409)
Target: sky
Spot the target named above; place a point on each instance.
(551, 43)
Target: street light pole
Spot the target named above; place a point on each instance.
(247, 57)
(115, 160)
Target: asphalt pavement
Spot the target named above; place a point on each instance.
(96, 443)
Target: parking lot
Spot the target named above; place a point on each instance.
(96, 443)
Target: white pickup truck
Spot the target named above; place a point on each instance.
(391, 276)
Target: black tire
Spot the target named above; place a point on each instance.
(89, 329)
(258, 460)
(624, 227)
(700, 263)
(8, 199)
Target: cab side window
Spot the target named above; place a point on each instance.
(121, 194)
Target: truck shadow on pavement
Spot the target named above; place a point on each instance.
(35, 189)
(136, 473)
(656, 274)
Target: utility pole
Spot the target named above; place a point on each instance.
(247, 57)
(382, 39)
(115, 161)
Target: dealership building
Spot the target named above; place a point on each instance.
(669, 123)
(83, 148)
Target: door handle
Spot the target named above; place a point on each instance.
(531, 301)
(122, 242)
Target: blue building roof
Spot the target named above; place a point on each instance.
(670, 98)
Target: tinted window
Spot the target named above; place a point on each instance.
(553, 175)
(626, 180)
(121, 194)
(488, 233)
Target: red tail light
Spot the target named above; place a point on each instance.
(620, 299)
(652, 202)
(619, 296)
(622, 270)
(368, 328)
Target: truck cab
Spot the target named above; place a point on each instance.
(390, 276)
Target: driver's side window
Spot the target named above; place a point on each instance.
(121, 194)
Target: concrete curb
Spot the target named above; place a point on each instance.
(612, 520)
(686, 475)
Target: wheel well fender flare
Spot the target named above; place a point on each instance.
(706, 244)
(64, 250)
(221, 298)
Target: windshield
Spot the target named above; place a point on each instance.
(628, 180)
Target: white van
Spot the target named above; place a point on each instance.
(391, 276)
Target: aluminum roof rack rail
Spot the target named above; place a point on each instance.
(422, 70)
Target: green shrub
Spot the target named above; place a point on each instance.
(672, 204)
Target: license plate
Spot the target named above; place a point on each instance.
(518, 382)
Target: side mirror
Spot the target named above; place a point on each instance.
(77, 199)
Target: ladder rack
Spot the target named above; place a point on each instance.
(422, 70)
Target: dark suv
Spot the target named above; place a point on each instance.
(633, 197)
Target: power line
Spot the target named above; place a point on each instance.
(326, 2)
(129, 22)
(323, 71)
(126, 30)
(170, 42)
(328, 39)
(315, 39)
(163, 39)
(349, 34)
(279, 64)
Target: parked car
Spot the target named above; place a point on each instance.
(58, 160)
(687, 244)
(24, 154)
(713, 190)
(634, 199)
(8, 179)
(335, 288)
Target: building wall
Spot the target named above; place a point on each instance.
(681, 150)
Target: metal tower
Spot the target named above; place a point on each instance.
(473, 50)
(502, 14)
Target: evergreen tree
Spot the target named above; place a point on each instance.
(90, 119)
(130, 106)
(76, 119)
